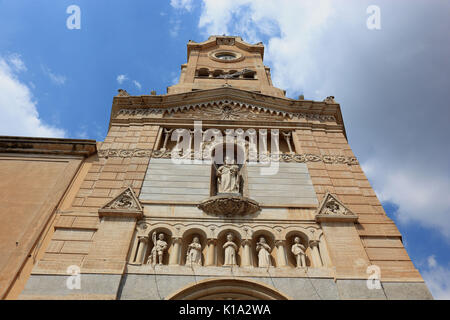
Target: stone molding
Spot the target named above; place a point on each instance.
(227, 110)
(285, 157)
(50, 146)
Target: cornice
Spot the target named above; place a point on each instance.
(52, 146)
(184, 101)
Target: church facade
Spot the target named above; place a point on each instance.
(223, 188)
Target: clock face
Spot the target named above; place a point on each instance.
(225, 56)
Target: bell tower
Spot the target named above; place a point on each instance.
(225, 61)
(152, 214)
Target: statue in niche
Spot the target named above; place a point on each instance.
(263, 250)
(299, 252)
(230, 251)
(194, 252)
(228, 177)
(159, 246)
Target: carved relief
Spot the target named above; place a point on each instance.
(225, 110)
(225, 41)
(285, 157)
(333, 209)
(126, 203)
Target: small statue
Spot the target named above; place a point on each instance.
(159, 246)
(299, 252)
(194, 252)
(230, 251)
(228, 177)
(263, 250)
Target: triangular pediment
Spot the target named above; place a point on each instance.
(124, 204)
(332, 209)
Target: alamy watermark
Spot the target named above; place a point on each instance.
(74, 20)
(73, 282)
(374, 20)
(374, 280)
(236, 145)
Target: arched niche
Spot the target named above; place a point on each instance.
(290, 241)
(187, 239)
(270, 240)
(228, 289)
(167, 237)
(219, 153)
(203, 72)
(222, 238)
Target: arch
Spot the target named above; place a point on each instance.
(203, 72)
(302, 233)
(217, 73)
(188, 236)
(221, 239)
(262, 231)
(168, 232)
(226, 288)
(249, 74)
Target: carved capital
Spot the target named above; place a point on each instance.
(313, 243)
(143, 238)
(280, 243)
(212, 241)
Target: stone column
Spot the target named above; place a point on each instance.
(247, 253)
(174, 258)
(281, 253)
(142, 248)
(315, 255)
(211, 252)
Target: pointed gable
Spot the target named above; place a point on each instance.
(125, 204)
(332, 209)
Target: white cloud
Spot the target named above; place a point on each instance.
(57, 79)
(432, 261)
(437, 278)
(15, 61)
(392, 84)
(182, 4)
(175, 26)
(121, 78)
(137, 84)
(17, 106)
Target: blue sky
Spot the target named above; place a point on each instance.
(392, 83)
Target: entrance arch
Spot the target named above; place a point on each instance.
(228, 289)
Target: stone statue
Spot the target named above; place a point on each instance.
(228, 177)
(159, 246)
(263, 250)
(299, 252)
(194, 252)
(230, 251)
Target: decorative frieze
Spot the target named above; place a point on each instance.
(282, 157)
(225, 110)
